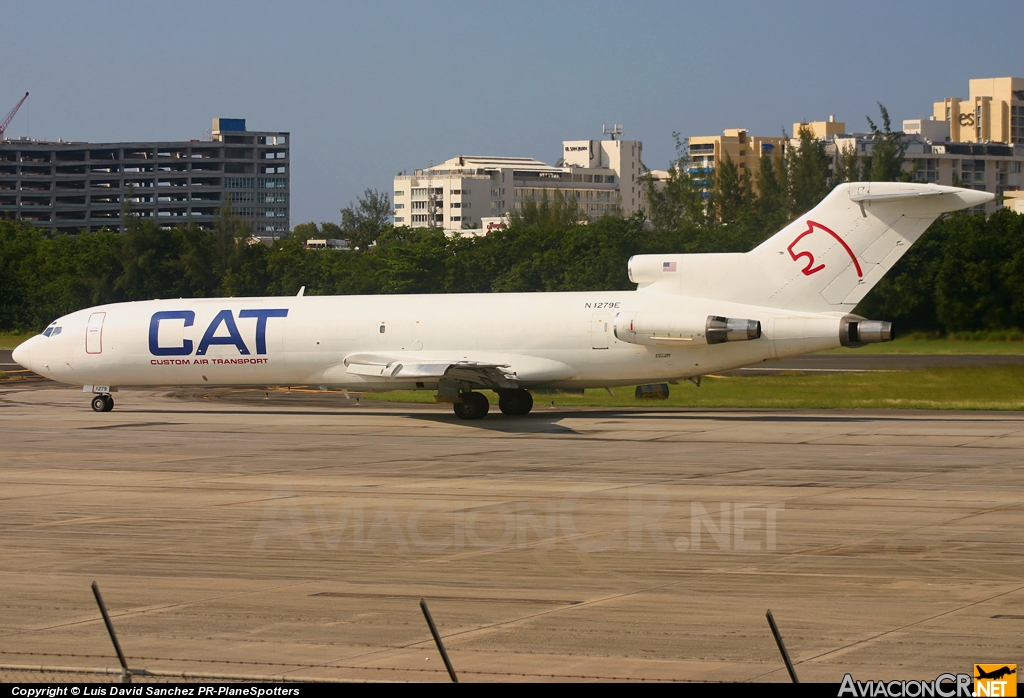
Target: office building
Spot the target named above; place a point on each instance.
(68, 187)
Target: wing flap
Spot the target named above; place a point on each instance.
(421, 369)
(404, 368)
(367, 369)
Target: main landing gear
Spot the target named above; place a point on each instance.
(473, 406)
(511, 402)
(102, 403)
(516, 402)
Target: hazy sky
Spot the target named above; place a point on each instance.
(370, 89)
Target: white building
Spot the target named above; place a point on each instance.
(601, 176)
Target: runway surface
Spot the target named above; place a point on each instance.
(297, 538)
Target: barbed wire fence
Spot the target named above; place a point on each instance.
(46, 673)
(30, 673)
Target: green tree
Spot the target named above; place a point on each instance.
(680, 201)
(808, 172)
(772, 202)
(848, 166)
(887, 152)
(365, 220)
(557, 212)
(732, 191)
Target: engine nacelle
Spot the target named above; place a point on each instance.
(855, 331)
(728, 329)
(673, 330)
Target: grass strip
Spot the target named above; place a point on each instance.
(9, 340)
(945, 388)
(912, 345)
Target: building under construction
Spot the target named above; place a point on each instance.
(67, 187)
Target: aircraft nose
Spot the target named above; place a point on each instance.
(22, 356)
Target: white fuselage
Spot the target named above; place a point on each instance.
(691, 315)
(546, 339)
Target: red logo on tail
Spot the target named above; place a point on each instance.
(809, 268)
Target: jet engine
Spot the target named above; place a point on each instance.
(855, 331)
(728, 329)
(669, 330)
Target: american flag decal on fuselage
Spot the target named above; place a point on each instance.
(668, 266)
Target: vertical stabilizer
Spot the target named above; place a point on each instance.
(824, 261)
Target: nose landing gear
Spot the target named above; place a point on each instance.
(102, 403)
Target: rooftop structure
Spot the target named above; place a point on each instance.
(822, 130)
(69, 187)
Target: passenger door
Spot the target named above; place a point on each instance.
(94, 334)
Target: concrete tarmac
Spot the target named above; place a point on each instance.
(296, 536)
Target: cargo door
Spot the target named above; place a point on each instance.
(94, 334)
(599, 331)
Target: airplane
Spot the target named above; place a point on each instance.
(690, 315)
(996, 675)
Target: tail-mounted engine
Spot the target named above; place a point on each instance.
(669, 330)
(728, 329)
(855, 331)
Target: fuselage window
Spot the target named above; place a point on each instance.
(382, 329)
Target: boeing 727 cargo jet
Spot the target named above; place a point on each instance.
(690, 315)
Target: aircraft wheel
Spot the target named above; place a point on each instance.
(102, 403)
(515, 402)
(473, 406)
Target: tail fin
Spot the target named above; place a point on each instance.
(824, 261)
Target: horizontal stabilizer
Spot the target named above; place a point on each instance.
(895, 196)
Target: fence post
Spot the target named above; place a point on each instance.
(126, 676)
(782, 646)
(437, 641)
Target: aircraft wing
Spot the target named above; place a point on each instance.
(404, 368)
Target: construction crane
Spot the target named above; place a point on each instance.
(10, 117)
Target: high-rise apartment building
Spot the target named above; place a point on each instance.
(66, 187)
(744, 150)
(994, 112)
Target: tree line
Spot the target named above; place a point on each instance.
(965, 274)
(730, 209)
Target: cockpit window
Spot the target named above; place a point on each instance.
(48, 331)
(56, 331)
